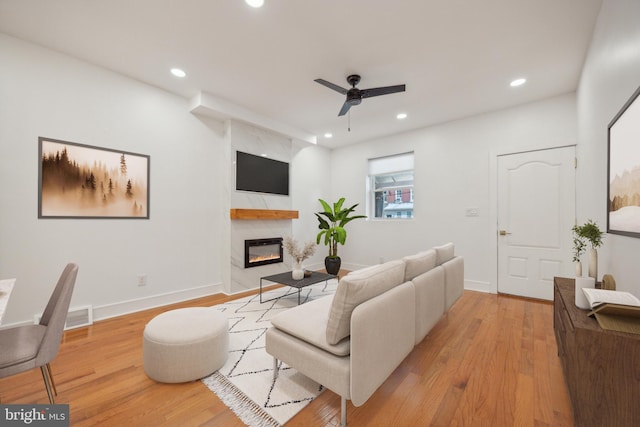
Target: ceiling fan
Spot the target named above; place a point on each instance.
(355, 95)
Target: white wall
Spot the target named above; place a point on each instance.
(43, 93)
(610, 76)
(311, 181)
(452, 173)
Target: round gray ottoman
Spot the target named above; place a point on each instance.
(185, 344)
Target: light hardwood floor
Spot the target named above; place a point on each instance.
(491, 361)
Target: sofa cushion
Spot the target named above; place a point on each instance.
(356, 288)
(430, 289)
(308, 322)
(415, 265)
(444, 253)
(364, 270)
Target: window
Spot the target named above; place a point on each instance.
(390, 187)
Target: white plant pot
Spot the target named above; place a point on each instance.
(583, 282)
(578, 269)
(593, 263)
(298, 272)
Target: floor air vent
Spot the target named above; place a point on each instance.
(77, 317)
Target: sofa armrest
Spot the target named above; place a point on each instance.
(429, 300)
(308, 322)
(382, 335)
(453, 281)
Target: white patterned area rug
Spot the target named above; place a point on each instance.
(245, 383)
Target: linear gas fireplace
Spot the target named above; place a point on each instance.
(262, 251)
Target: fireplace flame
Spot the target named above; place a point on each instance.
(264, 258)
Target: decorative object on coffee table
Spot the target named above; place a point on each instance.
(298, 254)
(331, 224)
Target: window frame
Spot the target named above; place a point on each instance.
(388, 170)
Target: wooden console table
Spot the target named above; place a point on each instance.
(601, 367)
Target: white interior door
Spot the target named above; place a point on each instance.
(536, 211)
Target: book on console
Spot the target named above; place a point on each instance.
(614, 310)
(598, 297)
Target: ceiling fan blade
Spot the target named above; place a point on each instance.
(377, 91)
(331, 86)
(344, 109)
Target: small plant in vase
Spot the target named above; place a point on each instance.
(298, 254)
(589, 232)
(579, 247)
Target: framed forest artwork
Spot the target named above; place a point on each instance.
(81, 181)
(623, 191)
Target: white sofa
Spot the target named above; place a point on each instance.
(352, 341)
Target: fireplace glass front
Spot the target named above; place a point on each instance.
(262, 251)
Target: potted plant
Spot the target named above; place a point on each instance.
(589, 232)
(331, 224)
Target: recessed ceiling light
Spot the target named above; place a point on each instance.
(518, 82)
(254, 3)
(178, 72)
(401, 116)
(328, 135)
(264, 155)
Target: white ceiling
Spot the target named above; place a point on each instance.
(456, 57)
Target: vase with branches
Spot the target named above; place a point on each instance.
(299, 254)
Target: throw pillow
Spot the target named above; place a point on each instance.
(444, 253)
(354, 289)
(419, 263)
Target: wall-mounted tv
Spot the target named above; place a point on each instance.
(261, 174)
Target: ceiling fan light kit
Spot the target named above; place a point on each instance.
(354, 96)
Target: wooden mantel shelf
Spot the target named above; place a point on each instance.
(262, 214)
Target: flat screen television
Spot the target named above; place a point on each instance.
(261, 174)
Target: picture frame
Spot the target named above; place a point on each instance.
(83, 181)
(623, 172)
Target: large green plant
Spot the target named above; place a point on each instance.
(331, 224)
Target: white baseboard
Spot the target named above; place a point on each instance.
(132, 306)
(474, 285)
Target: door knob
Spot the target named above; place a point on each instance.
(504, 232)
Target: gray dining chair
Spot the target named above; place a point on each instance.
(34, 346)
